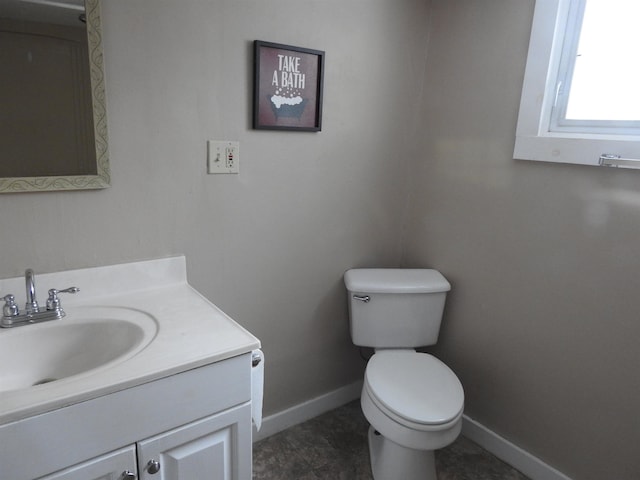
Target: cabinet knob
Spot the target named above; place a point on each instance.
(153, 466)
(127, 475)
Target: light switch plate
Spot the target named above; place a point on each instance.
(223, 156)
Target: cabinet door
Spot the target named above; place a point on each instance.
(112, 466)
(214, 448)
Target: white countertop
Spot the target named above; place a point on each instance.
(191, 331)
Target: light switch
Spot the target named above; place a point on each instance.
(223, 156)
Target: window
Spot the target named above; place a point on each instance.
(580, 97)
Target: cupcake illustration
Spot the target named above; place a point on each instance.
(287, 103)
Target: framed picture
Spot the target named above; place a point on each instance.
(287, 87)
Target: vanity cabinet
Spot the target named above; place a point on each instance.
(210, 448)
(187, 426)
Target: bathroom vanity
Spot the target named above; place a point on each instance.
(174, 403)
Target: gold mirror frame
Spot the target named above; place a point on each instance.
(102, 179)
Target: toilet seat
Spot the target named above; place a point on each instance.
(415, 389)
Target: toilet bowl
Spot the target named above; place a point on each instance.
(413, 402)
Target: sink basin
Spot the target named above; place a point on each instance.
(87, 340)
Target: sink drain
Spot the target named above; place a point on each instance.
(44, 380)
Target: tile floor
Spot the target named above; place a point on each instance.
(333, 446)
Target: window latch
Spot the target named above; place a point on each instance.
(616, 161)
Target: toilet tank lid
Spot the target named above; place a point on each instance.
(395, 280)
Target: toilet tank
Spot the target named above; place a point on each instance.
(395, 308)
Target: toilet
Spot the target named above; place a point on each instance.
(412, 401)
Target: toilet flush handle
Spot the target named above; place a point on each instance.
(362, 298)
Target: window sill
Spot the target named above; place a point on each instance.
(574, 149)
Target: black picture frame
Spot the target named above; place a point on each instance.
(288, 87)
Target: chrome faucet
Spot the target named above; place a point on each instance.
(30, 282)
(11, 316)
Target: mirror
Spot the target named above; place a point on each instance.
(53, 119)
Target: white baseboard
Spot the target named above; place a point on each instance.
(307, 410)
(531, 466)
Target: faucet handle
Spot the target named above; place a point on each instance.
(10, 308)
(53, 302)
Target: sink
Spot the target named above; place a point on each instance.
(84, 342)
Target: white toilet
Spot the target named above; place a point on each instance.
(412, 400)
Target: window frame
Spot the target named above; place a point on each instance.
(534, 138)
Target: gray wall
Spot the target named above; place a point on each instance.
(413, 167)
(542, 324)
(268, 246)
